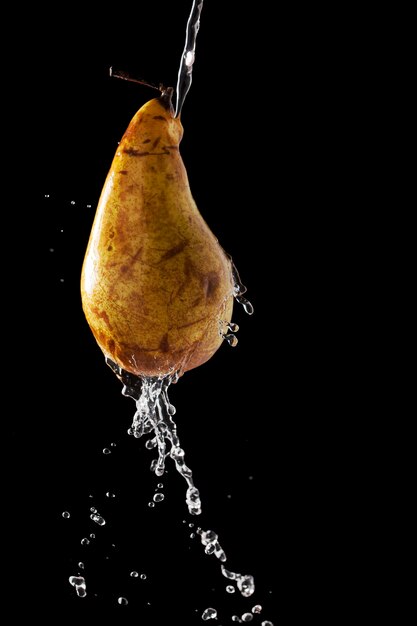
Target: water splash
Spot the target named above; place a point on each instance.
(154, 414)
(185, 74)
(245, 582)
(209, 539)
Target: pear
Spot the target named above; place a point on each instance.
(157, 288)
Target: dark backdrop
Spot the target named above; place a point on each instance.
(250, 419)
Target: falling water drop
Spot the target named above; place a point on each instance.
(230, 589)
(160, 485)
(158, 497)
(247, 617)
(247, 306)
(122, 601)
(81, 565)
(267, 623)
(85, 541)
(106, 451)
(151, 505)
(239, 290)
(257, 609)
(209, 614)
(143, 576)
(66, 515)
(231, 339)
(110, 494)
(93, 509)
(79, 583)
(98, 519)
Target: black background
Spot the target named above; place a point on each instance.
(252, 419)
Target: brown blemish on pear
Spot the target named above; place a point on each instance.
(155, 283)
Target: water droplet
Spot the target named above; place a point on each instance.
(246, 585)
(106, 451)
(88, 206)
(51, 249)
(247, 617)
(79, 583)
(72, 201)
(236, 618)
(192, 535)
(122, 601)
(233, 327)
(91, 495)
(92, 536)
(110, 494)
(47, 195)
(143, 577)
(191, 525)
(151, 504)
(250, 477)
(230, 589)
(257, 609)
(267, 623)
(113, 445)
(98, 519)
(160, 485)
(61, 230)
(93, 510)
(134, 574)
(81, 565)
(247, 306)
(231, 339)
(85, 541)
(158, 497)
(61, 280)
(66, 515)
(229, 495)
(209, 614)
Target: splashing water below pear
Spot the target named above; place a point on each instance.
(154, 412)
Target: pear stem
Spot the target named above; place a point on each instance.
(188, 56)
(125, 76)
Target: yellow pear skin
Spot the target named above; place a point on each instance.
(156, 286)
